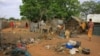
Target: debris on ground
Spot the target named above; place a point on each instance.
(49, 44)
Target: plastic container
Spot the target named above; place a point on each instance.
(69, 46)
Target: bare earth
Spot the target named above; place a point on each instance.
(39, 49)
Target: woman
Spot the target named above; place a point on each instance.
(90, 29)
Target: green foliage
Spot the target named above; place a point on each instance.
(2, 18)
(90, 7)
(23, 18)
(97, 8)
(12, 18)
(48, 9)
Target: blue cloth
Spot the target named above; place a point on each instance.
(27, 53)
(69, 46)
(17, 50)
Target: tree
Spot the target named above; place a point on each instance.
(48, 9)
(23, 18)
(90, 7)
(97, 8)
(11, 18)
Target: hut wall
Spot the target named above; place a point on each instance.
(72, 25)
(4, 24)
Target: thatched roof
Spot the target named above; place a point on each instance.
(77, 19)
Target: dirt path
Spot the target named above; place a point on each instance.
(39, 49)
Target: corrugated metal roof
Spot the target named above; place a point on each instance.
(95, 18)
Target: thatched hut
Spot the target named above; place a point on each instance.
(73, 24)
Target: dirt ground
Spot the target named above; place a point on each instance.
(39, 48)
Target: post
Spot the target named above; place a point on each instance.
(0, 33)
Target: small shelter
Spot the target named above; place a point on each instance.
(73, 24)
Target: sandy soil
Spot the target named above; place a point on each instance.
(39, 49)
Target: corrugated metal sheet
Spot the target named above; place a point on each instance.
(95, 18)
(96, 29)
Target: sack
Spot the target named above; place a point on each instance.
(85, 51)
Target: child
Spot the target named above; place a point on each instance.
(67, 34)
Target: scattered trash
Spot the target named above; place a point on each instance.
(86, 51)
(18, 49)
(78, 44)
(73, 51)
(69, 46)
(72, 42)
(75, 44)
(32, 40)
(60, 49)
(18, 52)
(47, 46)
(80, 49)
(73, 47)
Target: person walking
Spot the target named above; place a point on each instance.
(12, 25)
(90, 29)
